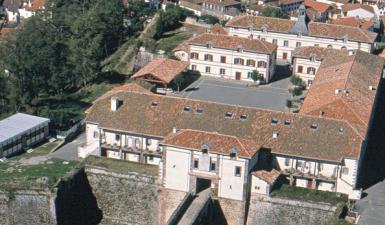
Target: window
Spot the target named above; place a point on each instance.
(275, 41)
(199, 110)
(285, 43)
(208, 69)
(96, 134)
(223, 59)
(222, 71)
(117, 137)
(209, 45)
(212, 166)
(345, 171)
(196, 163)
(287, 162)
(237, 171)
(262, 64)
(194, 55)
(186, 108)
(263, 39)
(287, 122)
(239, 61)
(250, 62)
(154, 103)
(274, 121)
(208, 57)
(240, 49)
(311, 70)
(151, 158)
(243, 117)
(148, 141)
(228, 114)
(313, 126)
(299, 69)
(312, 58)
(249, 75)
(194, 67)
(298, 44)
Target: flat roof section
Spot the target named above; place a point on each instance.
(18, 124)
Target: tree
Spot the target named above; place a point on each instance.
(296, 80)
(255, 76)
(274, 12)
(297, 91)
(168, 20)
(209, 19)
(178, 81)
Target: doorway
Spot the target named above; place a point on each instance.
(202, 184)
(237, 75)
(310, 184)
(284, 56)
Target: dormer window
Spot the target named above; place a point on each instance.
(154, 104)
(287, 122)
(314, 126)
(199, 110)
(233, 152)
(312, 57)
(346, 38)
(240, 49)
(186, 109)
(264, 29)
(228, 114)
(243, 117)
(209, 45)
(274, 121)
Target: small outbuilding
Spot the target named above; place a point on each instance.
(263, 181)
(21, 131)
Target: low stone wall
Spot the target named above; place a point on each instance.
(278, 211)
(27, 207)
(231, 211)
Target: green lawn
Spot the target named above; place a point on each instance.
(169, 42)
(121, 166)
(304, 194)
(14, 176)
(42, 149)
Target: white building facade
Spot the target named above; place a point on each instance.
(232, 57)
(289, 35)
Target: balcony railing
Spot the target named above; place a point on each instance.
(131, 149)
(301, 174)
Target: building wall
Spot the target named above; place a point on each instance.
(231, 186)
(182, 55)
(177, 168)
(304, 40)
(361, 13)
(307, 78)
(230, 68)
(259, 186)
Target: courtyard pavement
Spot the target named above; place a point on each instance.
(271, 96)
(372, 207)
(69, 150)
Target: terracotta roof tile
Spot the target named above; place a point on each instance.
(223, 2)
(36, 5)
(268, 176)
(287, 2)
(232, 42)
(315, 29)
(332, 139)
(217, 143)
(354, 73)
(349, 6)
(354, 22)
(162, 69)
(318, 52)
(317, 6)
(218, 29)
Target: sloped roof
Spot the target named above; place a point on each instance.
(216, 143)
(332, 140)
(12, 5)
(352, 75)
(349, 6)
(36, 5)
(218, 29)
(318, 52)
(232, 42)
(268, 176)
(316, 29)
(354, 22)
(163, 69)
(223, 2)
(317, 6)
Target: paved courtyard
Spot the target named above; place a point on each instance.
(271, 96)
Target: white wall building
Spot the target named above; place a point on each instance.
(231, 57)
(289, 35)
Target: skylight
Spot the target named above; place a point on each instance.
(243, 117)
(274, 121)
(314, 126)
(287, 122)
(186, 109)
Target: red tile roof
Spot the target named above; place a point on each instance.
(223, 2)
(162, 69)
(354, 22)
(349, 6)
(340, 89)
(317, 6)
(232, 42)
(218, 29)
(36, 5)
(217, 143)
(332, 140)
(318, 52)
(316, 29)
(268, 176)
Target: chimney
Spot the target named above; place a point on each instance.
(337, 91)
(114, 104)
(174, 130)
(321, 113)
(275, 134)
(371, 88)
